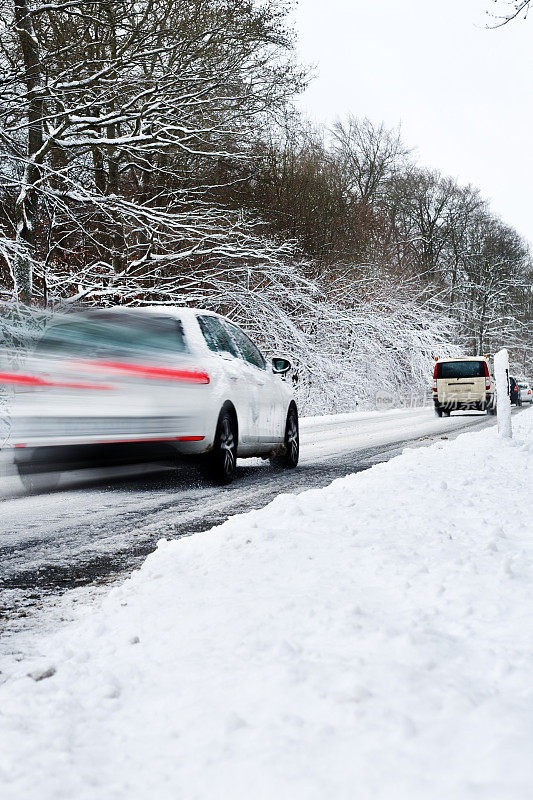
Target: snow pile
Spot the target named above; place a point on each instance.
(371, 639)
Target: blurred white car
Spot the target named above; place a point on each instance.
(524, 388)
(123, 384)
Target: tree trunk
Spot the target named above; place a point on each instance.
(27, 201)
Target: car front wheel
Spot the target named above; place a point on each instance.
(289, 459)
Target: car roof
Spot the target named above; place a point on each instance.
(172, 311)
(462, 358)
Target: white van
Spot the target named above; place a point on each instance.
(463, 383)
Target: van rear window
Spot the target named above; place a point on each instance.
(461, 369)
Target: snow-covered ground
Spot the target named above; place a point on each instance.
(372, 639)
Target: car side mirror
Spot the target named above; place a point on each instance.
(280, 366)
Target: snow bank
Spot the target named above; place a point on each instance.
(372, 639)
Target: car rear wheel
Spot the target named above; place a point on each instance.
(35, 481)
(289, 459)
(438, 411)
(223, 458)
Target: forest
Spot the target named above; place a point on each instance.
(151, 153)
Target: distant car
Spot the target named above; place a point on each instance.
(514, 392)
(122, 383)
(463, 383)
(526, 396)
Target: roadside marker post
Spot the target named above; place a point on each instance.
(501, 373)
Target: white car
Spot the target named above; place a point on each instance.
(526, 396)
(122, 384)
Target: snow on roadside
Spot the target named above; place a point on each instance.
(372, 639)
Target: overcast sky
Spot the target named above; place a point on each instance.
(463, 94)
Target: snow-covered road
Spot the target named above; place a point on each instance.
(84, 531)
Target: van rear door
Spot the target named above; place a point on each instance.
(461, 381)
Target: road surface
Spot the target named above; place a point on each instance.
(92, 528)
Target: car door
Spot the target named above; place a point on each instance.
(281, 397)
(260, 388)
(219, 341)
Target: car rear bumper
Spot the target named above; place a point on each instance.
(471, 404)
(185, 434)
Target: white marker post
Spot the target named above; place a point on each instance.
(501, 373)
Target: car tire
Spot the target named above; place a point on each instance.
(289, 458)
(221, 462)
(438, 411)
(446, 412)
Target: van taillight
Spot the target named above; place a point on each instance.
(435, 372)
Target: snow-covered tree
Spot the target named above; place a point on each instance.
(111, 110)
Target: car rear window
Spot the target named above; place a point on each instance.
(461, 369)
(111, 333)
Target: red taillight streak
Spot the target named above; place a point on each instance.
(435, 372)
(33, 380)
(159, 373)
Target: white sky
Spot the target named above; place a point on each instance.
(463, 94)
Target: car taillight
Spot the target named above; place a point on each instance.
(21, 380)
(33, 380)
(155, 373)
(434, 386)
(435, 372)
(487, 383)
